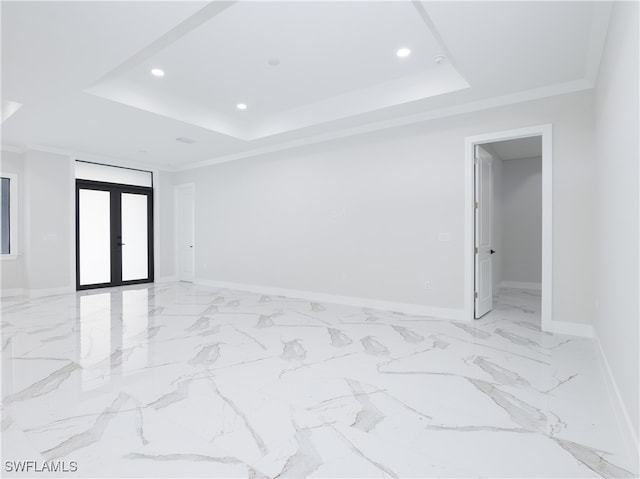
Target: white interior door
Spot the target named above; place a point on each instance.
(185, 210)
(483, 232)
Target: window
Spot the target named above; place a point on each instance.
(5, 226)
(8, 216)
(113, 174)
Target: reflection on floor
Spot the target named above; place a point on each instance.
(178, 380)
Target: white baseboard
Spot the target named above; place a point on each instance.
(572, 329)
(7, 293)
(38, 293)
(630, 435)
(406, 308)
(166, 279)
(521, 285)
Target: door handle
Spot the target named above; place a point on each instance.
(492, 251)
(121, 244)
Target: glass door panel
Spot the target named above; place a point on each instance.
(135, 251)
(94, 225)
(114, 234)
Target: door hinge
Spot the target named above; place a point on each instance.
(475, 161)
(476, 250)
(476, 204)
(475, 295)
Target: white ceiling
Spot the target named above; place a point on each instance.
(81, 70)
(518, 149)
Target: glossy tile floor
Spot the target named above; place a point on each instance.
(184, 381)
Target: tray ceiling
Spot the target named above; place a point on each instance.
(306, 71)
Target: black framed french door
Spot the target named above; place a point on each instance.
(114, 234)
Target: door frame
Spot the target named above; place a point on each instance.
(545, 132)
(114, 216)
(176, 222)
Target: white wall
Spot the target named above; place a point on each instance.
(164, 221)
(12, 277)
(617, 210)
(522, 220)
(361, 216)
(49, 223)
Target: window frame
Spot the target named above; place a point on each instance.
(14, 245)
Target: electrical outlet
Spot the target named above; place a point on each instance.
(444, 237)
(341, 213)
(427, 285)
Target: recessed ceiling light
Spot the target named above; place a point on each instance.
(403, 52)
(439, 59)
(241, 106)
(157, 72)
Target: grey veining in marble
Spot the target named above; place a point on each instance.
(264, 321)
(338, 338)
(183, 457)
(43, 386)
(207, 355)
(527, 416)
(256, 437)
(233, 304)
(211, 309)
(408, 335)
(252, 338)
(90, 436)
(369, 415)
(516, 338)
(476, 333)
(202, 323)
(372, 346)
(293, 350)
(439, 342)
(317, 307)
(499, 374)
(180, 392)
(5, 423)
(593, 459)
(358, 452)
(306, 459)
(179, 380)
(140, 427)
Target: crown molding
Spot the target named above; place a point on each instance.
(520, 97)
(108, 160)
(12, 149)
(495, 102)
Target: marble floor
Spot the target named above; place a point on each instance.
(176, 380)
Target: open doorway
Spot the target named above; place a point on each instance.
(508, 220)
(508, 227)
